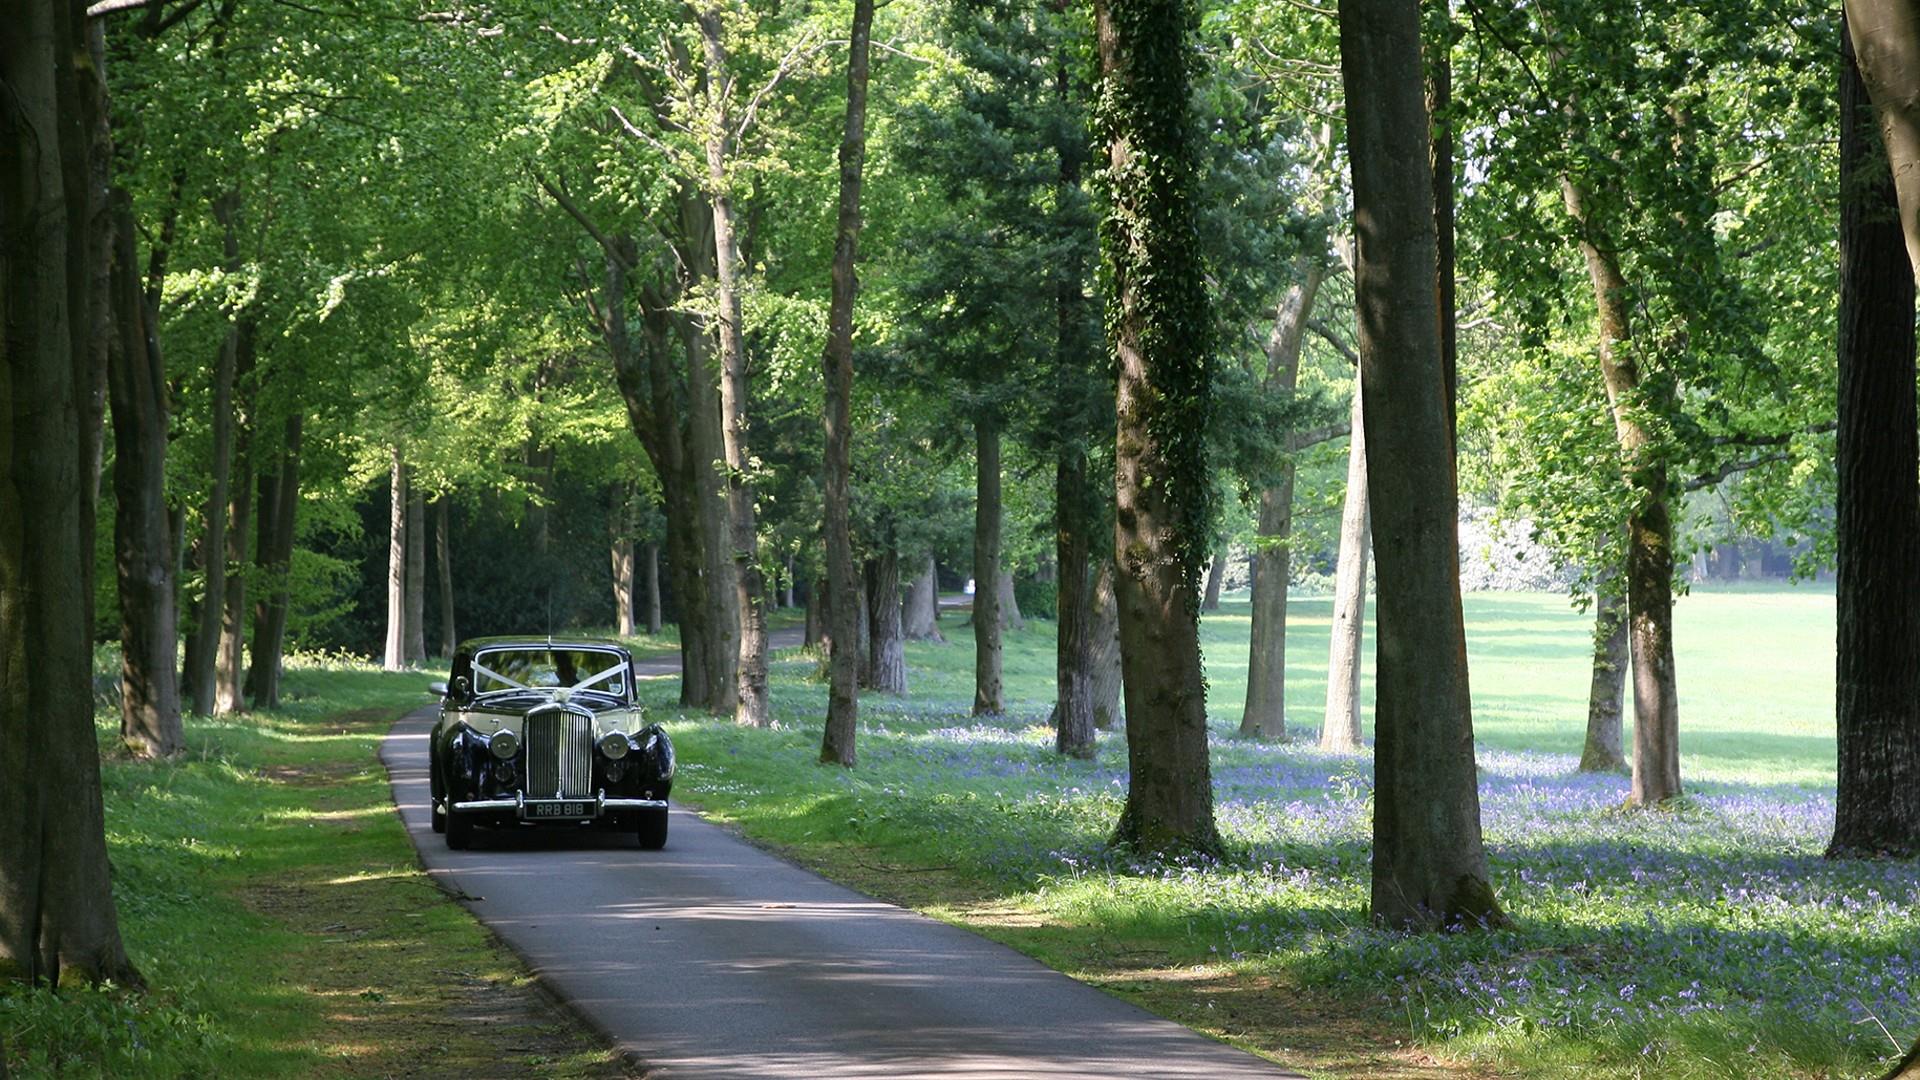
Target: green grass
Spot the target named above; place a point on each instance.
(1711, 941)
(273, 902)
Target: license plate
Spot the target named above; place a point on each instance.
(557, 809)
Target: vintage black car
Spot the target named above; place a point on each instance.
(547, 732)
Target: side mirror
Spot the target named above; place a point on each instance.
(439, 688)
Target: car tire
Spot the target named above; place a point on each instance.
(459, 831)
(438, 815)
(653, 829)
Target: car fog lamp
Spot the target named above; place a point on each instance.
(614, 746)
(616, 772)
(504, 743)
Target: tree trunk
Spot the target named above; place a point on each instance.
(1341, 728)
(1216, 578)
(1885, 38)
(443, 558)
(863, 628)
(886, 653)
(1104, 688)
(987, 691)
(203, 638)
(1439, 92)
(1429, 866)
(416, 577)
(1656, 701)
(395, 658)
(230, 663)
(1602, 752)
(815, 635)
(787, 586)
(150, 724)
(1877, 698)
(1074, 510)
(57, 918)
(1009, 606)
(749, 582)
(923, 606)
(715, 578)
(279, 521)
(843, 689)
(1159, 321)
(650, 574)
(623, 605)
(1264, 714)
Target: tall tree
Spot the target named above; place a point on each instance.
(1602, 751)
(1159, 331)
(279, 510)
(1429, 867)
(1877, 695)
(57, 917)
(843, 663)
(1340, 730)
(395, 657)
(988, 693)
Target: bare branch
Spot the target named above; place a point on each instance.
(802, 50)
(1300, 440)
(1707, 480)
(1780, 438)
(1327, 334)
(559, 194)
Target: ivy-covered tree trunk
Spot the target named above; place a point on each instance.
(150, 723)
(1877, 689)
(921, 621)
(843, 675)
(1264, 713)
(1429, 866)
(273, 554)
(1606, 694)
(1076, 514)
(1158, 331)
(395, 656)
(987, 691)
(1656, 695)
(886, 655)
(1341, 728)
(57, 919)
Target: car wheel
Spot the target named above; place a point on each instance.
(438, 815)
(459, 831)
(653, 829)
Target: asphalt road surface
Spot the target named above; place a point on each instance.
(715, 959)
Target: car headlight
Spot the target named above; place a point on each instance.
(615, 746)
(503, 744)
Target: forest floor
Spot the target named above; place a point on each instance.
(272, 900)
(1710, 939)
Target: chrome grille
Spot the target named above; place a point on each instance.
(559, 754)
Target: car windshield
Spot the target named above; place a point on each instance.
(543, 668)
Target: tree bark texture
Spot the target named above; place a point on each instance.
(843, 676)
(988, 694)
(1158, 320)
(203, 637)
(416, 577)
(650, 575)
(1341, 728)
(443, 558)
(1603, 751)
(706, 445)
(1104, 686)
(886, 654)
(1076, 514)
(395, 657)
(814, 634)
(1884, 37)
(623, 605)
(921, 622)
(1429, 866)
(150, 724)
(1877, 687)
(230, 660)
(273, 552)
(1009, 604)
(57, 918)
(1264, 713)
(1656, 697)
(1216, 578)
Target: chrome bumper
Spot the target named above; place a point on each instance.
(519, 803)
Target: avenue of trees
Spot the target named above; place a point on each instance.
(372, 325)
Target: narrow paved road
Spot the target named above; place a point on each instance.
(713, 959)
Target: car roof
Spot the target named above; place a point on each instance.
(528, 641)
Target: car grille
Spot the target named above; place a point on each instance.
(559, 755)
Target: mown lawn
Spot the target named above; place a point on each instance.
(272, 900)
(1711, 940)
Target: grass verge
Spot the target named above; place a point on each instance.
(272, 899)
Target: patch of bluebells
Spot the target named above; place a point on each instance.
(1629, 928)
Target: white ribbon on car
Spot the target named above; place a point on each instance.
(497, 677)
(601, 676)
